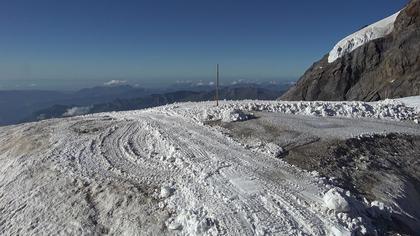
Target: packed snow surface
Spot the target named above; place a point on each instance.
(162, 171)
(413, 101)
(377, 30)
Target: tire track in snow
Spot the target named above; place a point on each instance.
(220, 188)
(245, 165)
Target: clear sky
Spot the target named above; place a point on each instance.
(77, 43)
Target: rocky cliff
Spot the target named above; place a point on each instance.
(384, 67)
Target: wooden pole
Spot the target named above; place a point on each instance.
(217, 85)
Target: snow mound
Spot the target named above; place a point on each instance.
(336, 200)
(165, 192)
(193, 222)
(377, 30)
(234, 115)
(273, 149)
(270, 148)
(379, 209)
(239, 110)
(226, 114)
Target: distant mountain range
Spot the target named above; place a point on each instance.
(24, 106)
(16, 106)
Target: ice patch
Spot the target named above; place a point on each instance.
(245, 185)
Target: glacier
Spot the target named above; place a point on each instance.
(374, 31)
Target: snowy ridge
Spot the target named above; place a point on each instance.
(387, 109)
(377, 30)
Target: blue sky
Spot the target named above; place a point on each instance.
(78, 43)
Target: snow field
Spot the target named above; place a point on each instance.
(377, 30)
(162, 171)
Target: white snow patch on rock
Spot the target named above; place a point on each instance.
(165, 192)
(335, 231)
(377, 30)
(379, 209)
(336, 200)
(378, 204)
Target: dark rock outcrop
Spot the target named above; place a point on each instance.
(387, 67)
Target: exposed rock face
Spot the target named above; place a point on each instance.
(387, 67)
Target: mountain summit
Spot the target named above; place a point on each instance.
(379, 61)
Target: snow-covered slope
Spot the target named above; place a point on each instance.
(413, 101)
(161, 171)
(357, 39)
